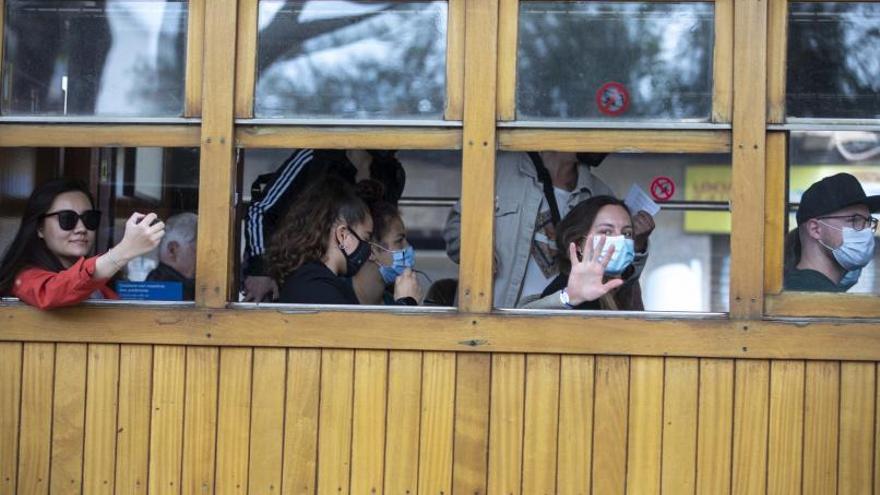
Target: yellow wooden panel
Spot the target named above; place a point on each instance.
(506, 424)
(749, 155)
(246, 59)
(68, 419)
(774, 211)
(455, 23)
(233, 420)
(334, 430)
(85, 135)
(541, 424)
(777, 37)
(200, 419)
(801, 304)
(575, 425)
(436, 431)
(610, 424)
(194, 56)
(402, 435)
(645, 425)
(469, 462)
(821, 423)
(714, 433)
(101, 411)
(216, 158)
(10, 404)
(409, 138)
(166, 424)
(267, 421)
(785, 443)
(750, 410)
(858, 390)
(133, 436)
(722, 79)
(680, 394)
(368, 421)
(614, 140)
(301, 421)
(38, 369)
(508, 25)
(478, 157)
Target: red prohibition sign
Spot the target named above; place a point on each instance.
(662, 188)
(612, 98)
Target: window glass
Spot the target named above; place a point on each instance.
(122, 181)
(833, 60)
(688, 253)
(847, 262)
(615, 60)
(424, 185)
(82, 58)
(353, 60)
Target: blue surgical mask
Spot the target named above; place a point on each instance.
(400, 261)
(856, 250)
(849, 279)
(624, 253)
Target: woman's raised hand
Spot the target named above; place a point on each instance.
(585, 282)
(141, 235)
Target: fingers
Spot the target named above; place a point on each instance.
(275, 292)
(605, 258)
(572, 253)
(596, 251)
(135, 218)
(148, 219)
(612, 284)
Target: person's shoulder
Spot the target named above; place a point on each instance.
(808, 281)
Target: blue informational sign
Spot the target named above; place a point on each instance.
(150, 291)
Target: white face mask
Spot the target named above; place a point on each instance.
(857, 249)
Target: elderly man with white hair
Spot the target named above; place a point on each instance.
(177, 254)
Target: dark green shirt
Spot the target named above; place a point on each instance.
(810, 281)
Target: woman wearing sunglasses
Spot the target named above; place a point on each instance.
(48, 264)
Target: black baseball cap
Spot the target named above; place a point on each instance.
(832, 194)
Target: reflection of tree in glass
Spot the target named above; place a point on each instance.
(834, 60)
(662, 54)
(389, 62)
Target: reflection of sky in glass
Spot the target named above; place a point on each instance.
(351, 60)
(660, 52)
(119, 57)
(834, 60)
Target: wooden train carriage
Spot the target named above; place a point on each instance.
(778, 395)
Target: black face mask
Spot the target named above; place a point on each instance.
(357, 259)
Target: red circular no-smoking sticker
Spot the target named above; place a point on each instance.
(662, 188)
(612, 98)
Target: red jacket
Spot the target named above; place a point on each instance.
(47, 289)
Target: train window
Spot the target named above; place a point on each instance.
(615, 61)
(833, 199)
(351, 60)
(121, 181)
(687, 265)
(833, 53)
(285, 240)
(94, 58)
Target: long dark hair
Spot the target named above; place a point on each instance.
(383, 212)
(302, 235)
(578, 222)
(27, 248)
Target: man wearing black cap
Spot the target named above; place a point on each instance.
(836, 234)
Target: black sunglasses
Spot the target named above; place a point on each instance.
(67, 219)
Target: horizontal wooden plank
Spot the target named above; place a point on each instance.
(409, 138)
(804, 304)
(615, 140)
(93, 135)
(561, 334)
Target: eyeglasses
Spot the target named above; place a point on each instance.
(858, 222)
(67, 219)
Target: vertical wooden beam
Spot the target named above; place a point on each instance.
(821, 423)
(99, 469)
(455, 22)
(575, 425)
(166, 425)
(301, 421)
(749, 155)
(680, 419)
(437, 422)
(715, 428)
(403, 431)
(775, 212)
(786, 439)
(368, 422)
(750, 417)
(478, 157)
(334, 430)
(541, 425)
(10, 408)
(217, 158)
(506, 424)
(68, 420)
(233, 420)
(722, 62)
(508, 34)
(133, 437)
(645, 431)
(195, 38)
(200, 419)
(470, 457)
(858, 391)
(267, 421)
(246, 58)
(777, 38)
(35, 440)
(610, 422)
